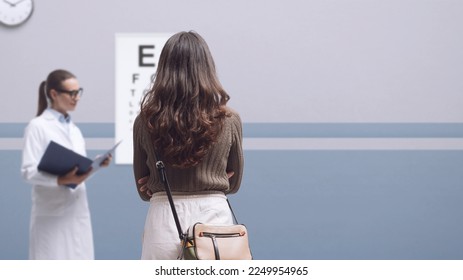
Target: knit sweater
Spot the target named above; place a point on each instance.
(210, 174)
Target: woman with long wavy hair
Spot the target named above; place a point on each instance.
(185, 121)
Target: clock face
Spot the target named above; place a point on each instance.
(15, 12)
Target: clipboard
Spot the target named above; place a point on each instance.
(59, 160)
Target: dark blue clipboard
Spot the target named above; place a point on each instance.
(59, 160)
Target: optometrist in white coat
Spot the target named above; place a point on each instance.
(60, 226)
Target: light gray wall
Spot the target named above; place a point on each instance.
(294, 61)
(352, 119)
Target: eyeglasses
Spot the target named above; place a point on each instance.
(72, 93)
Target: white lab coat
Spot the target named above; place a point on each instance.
(60, 226)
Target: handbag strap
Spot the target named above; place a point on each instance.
(162, 172)
(233, 213)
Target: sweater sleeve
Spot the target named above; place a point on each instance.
(235, 158)
(140, 169)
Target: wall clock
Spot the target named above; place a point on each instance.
(15, 12)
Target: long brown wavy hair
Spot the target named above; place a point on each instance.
(185, 109)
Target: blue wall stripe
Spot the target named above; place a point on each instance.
(97, 130)
(89, 130)
(11, 130)
(353, 130)
(293, 130)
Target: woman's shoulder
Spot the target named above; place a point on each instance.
(233, 120)
(139, 126)
(44, 117)
(232, 114)
(139, 123)
(39, 125)
(38, 121)
(138, 120)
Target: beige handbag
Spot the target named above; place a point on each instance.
(216, 242)
(209, 241)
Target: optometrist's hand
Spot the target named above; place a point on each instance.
(107, 161)
(72, 178)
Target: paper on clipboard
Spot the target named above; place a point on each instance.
(96, 164)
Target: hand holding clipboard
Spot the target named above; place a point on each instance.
(61, 161)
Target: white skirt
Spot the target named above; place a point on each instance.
(160, 238)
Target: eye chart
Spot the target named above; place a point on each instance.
(137, 56)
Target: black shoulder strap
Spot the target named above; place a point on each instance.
(162, 172)
(233, 213)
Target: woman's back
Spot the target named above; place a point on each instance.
(208, 175)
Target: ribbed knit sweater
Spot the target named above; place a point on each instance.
(209, 175)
